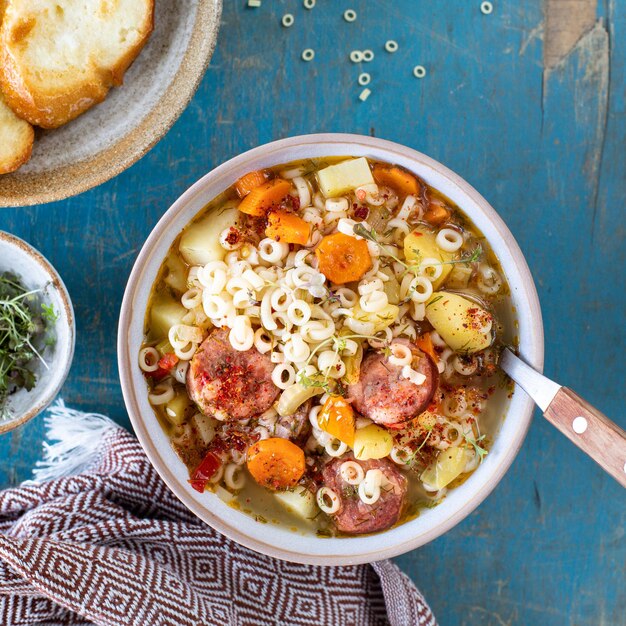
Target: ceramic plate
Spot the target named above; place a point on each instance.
(113, 135)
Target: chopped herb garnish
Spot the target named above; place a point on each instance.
(480, 451)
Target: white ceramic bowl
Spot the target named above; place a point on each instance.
(36, 273)
(279, 541)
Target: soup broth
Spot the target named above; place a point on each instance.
(321, 346)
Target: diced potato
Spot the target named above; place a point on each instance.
(336, 180)
(392, 286)
(176, 408)
(446, 467)
(165, 313)
(459, 276)
(205, 426)
(200, 242)
(294, 396)
(427, 420)
(300, 502)
(372, 442)
(381, 319)
(459, 321)
(176, 276)
(420, 245)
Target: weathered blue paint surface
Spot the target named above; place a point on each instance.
(546, 149)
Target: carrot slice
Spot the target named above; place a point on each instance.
(276, 463)
(437, 212)
(337, 419)
(342, 258)
(397, 179)
(287, 227)
(250, 181)
(425, 344)
(264, 197)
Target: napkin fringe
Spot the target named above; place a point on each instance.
(77, 437)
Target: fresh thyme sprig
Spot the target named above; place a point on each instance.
(320, 379)
(372, 235)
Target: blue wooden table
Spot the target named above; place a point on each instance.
(527, 104)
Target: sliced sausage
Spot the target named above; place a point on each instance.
(385, 396)
(354, 517)
(229, 384)
(295, 427)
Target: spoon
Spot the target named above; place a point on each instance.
(594, 433)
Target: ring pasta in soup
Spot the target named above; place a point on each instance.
(321, 346)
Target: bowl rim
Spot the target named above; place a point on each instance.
(76, 178)
(533, 352)
(59, 286)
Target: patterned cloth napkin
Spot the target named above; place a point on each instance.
(100, 539)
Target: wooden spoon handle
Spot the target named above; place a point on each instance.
(594, 433)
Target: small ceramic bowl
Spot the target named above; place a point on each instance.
(111, 136)
(35, 272)
(280, 541)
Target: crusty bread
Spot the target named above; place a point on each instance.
(16, 139)
(60, 57)
(16, 135)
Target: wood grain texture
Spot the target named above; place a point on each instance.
(592, 431)
(567, 21)
(548, 547)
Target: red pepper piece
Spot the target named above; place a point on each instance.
(165, 365)
(205, 471)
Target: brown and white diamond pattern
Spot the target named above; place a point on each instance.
(115, 547)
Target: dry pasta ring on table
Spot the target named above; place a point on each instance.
(309, 4)
(288, 20)
(364, 95)
(364, 79)
(391, 46)
(356, 56)
(486, 8)
(368, 56)
(419, 71)
(308, 54)
(349, 15)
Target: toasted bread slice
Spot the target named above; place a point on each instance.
(16, 135)
(16, 139)
(60, 57)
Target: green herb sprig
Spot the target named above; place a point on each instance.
(414, 268)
